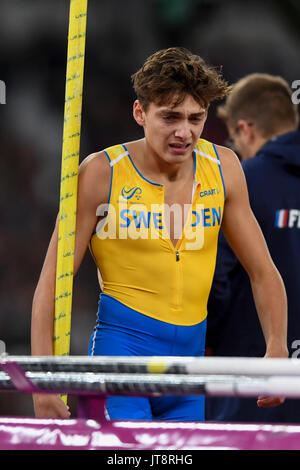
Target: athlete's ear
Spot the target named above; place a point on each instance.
(245, 128)
(139, 113)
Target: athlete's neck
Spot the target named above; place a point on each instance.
(163, 170)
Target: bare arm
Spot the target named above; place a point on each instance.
(246, 239)
(93, 189)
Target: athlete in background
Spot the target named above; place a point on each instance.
(157, 259)
(262, 122)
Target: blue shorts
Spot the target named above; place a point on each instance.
(121, 331)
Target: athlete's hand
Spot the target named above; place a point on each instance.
(50, 406)
(269, 402)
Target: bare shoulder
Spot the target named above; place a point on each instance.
(95, 162)
(229, 160)
(232, 171)
(94, 178)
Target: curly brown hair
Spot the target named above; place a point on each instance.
(171, 74)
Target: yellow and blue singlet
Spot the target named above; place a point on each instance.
(154, 299)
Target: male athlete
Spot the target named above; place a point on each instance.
(262, 121)
(155, 246)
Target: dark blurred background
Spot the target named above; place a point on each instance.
(242, 36)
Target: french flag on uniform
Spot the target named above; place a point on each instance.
(281, 218)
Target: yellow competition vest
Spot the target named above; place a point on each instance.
(139, 265)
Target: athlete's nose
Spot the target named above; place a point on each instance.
(183, 132)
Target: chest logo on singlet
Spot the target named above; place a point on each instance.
(128, 192)
(210, 192)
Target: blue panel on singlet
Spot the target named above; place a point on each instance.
(121, 331)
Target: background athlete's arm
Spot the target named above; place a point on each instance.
(246, 239)
(93, 189)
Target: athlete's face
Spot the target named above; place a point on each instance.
(172, 131)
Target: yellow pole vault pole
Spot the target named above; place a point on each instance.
(69, 177)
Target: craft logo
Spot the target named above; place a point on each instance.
(210, 192)
(2, 92)
(129, 193)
